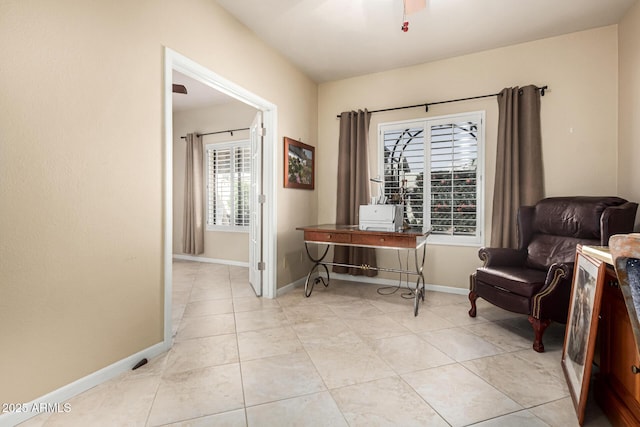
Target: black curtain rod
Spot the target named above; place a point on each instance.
(426, 105)
(231, 131)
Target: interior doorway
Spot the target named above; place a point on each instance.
(231, 170)
(263, 191)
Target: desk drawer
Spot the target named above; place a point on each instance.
(329, 237)
(384, 240)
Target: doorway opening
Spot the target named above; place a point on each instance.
(262, 234)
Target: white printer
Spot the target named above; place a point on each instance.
(380, 217)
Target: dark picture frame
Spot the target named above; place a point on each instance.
(299, 164)
(582, 327)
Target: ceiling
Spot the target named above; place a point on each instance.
(198, 94)
(335, 39)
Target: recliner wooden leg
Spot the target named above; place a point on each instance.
(539, 326)
(472, 298)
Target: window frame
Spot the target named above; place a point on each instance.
(232, 145)
(426, 124)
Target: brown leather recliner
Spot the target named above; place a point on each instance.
(535, 279)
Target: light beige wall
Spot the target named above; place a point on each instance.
(629, 105)
(296, 207)
(220, 245)
(579, 119)
(81, 173)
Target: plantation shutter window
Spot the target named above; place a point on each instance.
(404, 161)
(448, 152)
(228, 185)
(453, 162)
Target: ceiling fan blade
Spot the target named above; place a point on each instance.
(179, 89)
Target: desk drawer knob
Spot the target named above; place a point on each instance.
(635, 369)
(382, 239)
(328, 236)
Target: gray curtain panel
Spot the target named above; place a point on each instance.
(519, 170)
(193, 223)
(353, 188)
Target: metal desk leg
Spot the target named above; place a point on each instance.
(317, 263)
(420, 287)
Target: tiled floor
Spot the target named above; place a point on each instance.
(344, 356)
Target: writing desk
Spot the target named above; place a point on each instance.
(412, 239)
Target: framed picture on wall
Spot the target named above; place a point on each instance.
(582, 326)
(299, 164)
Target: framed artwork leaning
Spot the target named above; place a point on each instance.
(582, 327)
(299, 164)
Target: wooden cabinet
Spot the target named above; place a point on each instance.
(617, 388)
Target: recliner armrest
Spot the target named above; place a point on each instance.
(552, 300)
(565, 269)
(617, 220)
(493, 257)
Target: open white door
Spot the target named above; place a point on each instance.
(256, 263)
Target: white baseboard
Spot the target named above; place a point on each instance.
(291, 286)
(211, 260)
(377, 281)
(68, 391)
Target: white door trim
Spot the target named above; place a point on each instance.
(255, 234)
(184, 65)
